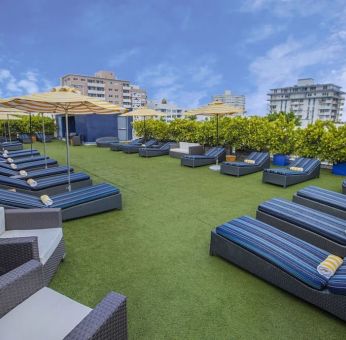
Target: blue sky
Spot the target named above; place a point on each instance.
(184, 51)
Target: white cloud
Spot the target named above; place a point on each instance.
(262, 33)
(28, 82)
(285, 63)
(122, 57)
(186, 86)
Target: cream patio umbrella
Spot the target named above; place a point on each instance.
(217, 109)
(10, 113)
(143, 112)
(62, 100)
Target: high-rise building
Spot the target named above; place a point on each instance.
(309, 101)
(105, 85)
(234, 100)
(171, 110)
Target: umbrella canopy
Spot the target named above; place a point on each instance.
(62, 100)
(143, 112)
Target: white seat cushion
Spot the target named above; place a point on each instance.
(2, 221)
(48, 239)
(180, 150)
(45, 315)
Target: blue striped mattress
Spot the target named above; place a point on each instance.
(43, 183)
(25, 159)
(4, 144)
(258, 157)
(296, 257)
(308, 164)
(327, 197)
(337, 283)
(323, 224)
(20, 153)
(56, 170)
(30, 165)
(64, 200)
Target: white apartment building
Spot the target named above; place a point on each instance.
(234, 100)
(171, 111)
(105, 85)
(309, 101)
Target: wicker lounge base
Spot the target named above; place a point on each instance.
(344, 187)
(302, 233)
(112, 202)
(286, 180)
(196, 162)
(52, 190)
(146, 152)
(319, 206)
(228, 250)
(242, 170)
(105, 142)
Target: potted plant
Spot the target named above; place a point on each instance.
(334, 148)
(282, 135)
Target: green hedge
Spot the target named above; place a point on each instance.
(22, 125)
(321, 140)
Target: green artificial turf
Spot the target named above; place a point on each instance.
(156, 252)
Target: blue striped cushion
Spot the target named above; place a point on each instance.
(327, 197)
(30, 165)
(259, 157)
(308, 164)
(284, 171)
(337, 283)
(241, 164)
(7, 144)
(214, 152)
(64, 200)
(47, 172)
(8, 172)
(298, 258)
(323, 224)
(43, 183)
(20, 153)
(83, 195)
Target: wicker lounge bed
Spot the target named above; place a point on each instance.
(52, 171)
(282, 260)
(119, 146)
(261, 159)
(30, 164)
(20, 154)
(210, 157)
(74, 204)
(327, 201)
(33, 234)
(135, 148)
(48, 185)
(105, 142)
(40, 137)
(29, 310)
(288, 176)
(11, 146)
(24, 138)
(157, 151)
(344, 187)
(320, 229)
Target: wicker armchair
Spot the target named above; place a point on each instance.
(32, 234)
(28, 310)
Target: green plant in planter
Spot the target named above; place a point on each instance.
(309, 142)
(282, 136)
(256, 135)
(183, 130)
(232, 132)
(334, 144)
(206, 132)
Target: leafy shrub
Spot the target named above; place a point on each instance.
(334, 144)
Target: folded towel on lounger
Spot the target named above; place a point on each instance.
(5, 153)
(46, 200)
(329, 266)
(13, 166)
(23, 173)
(9, 160)
(32, 182)
(296, 168)
(249, 161)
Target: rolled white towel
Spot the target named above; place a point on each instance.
(23, 173)
(10, 160)
(249, 161)
(46, 200)
(31, 182)
(329, 266)
(13, 166)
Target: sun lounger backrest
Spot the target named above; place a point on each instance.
(19, 200)
(308, 164)
(259, 157)
(293, 255)
(14, 182)
(214, 152)
(166, 146)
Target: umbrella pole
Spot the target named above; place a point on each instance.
(9, 128)
(44, 142)
(145, 132)
(217, 136)
(67, 151)
(30, 131)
